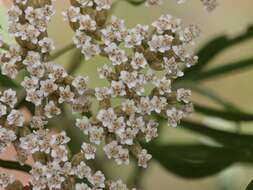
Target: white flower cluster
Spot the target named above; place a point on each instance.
(208, 4)
(156, 60)
(5, 179)
(6, 137)
(156, 56)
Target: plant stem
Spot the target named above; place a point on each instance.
(12, 165)
(135, 178)
(75, 62)
(5, 47)
(61, 52)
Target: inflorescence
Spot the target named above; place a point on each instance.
(144, 62)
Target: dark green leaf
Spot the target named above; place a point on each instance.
(223, 70)
(229, 139)
(196, 87)
(12, 165)
(136, 2)
(193, 161)
(216, 46)
(250, 186)
(7, 82)
(226, 114)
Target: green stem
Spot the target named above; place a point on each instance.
(12, 165)
(136, 177)
(75, 62)
(61, 52)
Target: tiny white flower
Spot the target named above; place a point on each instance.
(15, 118)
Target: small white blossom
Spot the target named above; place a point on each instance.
(30, 83)
(48, 86)
(65, 94)
(163, 85)
(82, 186)
(103, 4)
(85, 3)
(96, 134)
(87, 23)
(118, 88)
(102, 93)
(9, 97)
(116, 55)
(34, 96)
(138, 61)
(80, 83)
(16, 118)
(83, 124)
(51, 109)
(47, 45)
(143, 158)
(167, 23)
(72, 14)
(6, 180)
(59, 139)
(183, 95)
(82, 171)
(98, 179)
(174, 116)
(89, 151)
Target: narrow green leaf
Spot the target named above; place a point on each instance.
(75, 62)
(194, 160)
(215, 47)
(224, 114)
(136, 2)
(223, 70)
(196, 87)
(61, 52)
(250, 186)
(7, 82)
(12, 165)
(229, 139)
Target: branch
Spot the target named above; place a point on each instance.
(75, 62)
(61, 52)
(12, 165)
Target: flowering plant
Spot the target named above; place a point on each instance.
(147, 78)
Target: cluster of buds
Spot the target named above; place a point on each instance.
(141, 77)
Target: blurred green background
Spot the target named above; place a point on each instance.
(231, 17)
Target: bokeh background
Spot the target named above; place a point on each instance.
(231, 17)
